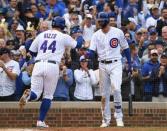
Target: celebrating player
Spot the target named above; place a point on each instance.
(108, 42)
(49, 47)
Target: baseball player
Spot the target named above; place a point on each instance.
(109, 42)
(49, 46)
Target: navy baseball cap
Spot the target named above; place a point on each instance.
(75, 29)
(159, 42)
(152, 32)
(27, 9)
(164, 55)
(112, 14)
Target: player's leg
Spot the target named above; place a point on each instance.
(50, 82)
(37, 81)
(105, 100)
(116, 80)
(36, 86)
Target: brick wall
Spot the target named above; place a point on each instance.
(75, 114)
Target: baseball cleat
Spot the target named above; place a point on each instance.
(23, 100)
(103, 125)
(120, 123)
(41, 124)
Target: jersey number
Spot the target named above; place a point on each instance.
(51, 47)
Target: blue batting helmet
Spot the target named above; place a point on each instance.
(103, 19)
(58, 22)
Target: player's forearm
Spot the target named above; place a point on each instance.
(128, 55)
(33, 54)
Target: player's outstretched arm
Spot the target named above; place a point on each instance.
(128, 57)
(33, 54)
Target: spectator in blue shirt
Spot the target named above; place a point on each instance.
(64, 83)
(23, 81)
(147, 69)
(55, 7)
(12, 9)
(131, 9)
(132, 27)
(100, 5)
(144, 44)
(121, 3)
(159, 80)
(133, 83)
(41, 11)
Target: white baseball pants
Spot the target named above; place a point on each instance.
(44, 79)
(110, 81)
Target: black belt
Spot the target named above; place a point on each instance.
(108, 62)
(49, 61)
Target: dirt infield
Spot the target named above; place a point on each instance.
(89, 129)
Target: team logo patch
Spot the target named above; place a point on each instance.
(114, 43)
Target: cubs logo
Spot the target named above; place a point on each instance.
(114, 43)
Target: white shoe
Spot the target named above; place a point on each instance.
(42, 124)
(23, 100)
(104, 124)
(120, 123)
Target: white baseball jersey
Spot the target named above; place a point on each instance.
(51, 44)
(108, 45)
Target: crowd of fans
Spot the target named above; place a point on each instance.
(144, 23)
